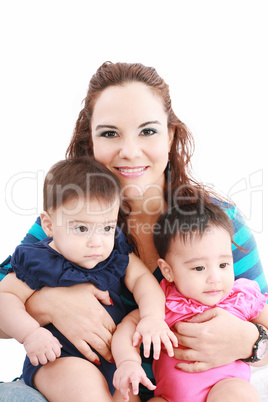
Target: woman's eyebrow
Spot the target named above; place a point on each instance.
(149, 122)
(99, 126)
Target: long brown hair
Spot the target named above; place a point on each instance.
(179, 181)
(110, 74)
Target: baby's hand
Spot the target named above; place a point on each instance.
(130, 372)
(41, 346)
(154, 330)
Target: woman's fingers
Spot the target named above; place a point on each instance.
(195, 367)
(216, 338)
(204, 317)
(86, 350)
(85, 347)
(101, 295)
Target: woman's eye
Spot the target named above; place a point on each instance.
(109, 134)
(147, 132)
(223, 265)
(199, 268)
(81, 229)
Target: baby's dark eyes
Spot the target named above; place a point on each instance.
(199, 268)
(109, 228)
(81, 229)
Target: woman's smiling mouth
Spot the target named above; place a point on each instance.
(131, 172)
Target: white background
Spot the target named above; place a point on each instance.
(213, 54)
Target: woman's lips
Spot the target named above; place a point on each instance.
(131, 172)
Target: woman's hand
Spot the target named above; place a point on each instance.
(212, 339)
(77, 313)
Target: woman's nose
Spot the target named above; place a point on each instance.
(130, 148)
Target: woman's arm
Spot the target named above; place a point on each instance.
(262, 319)
(77, 313)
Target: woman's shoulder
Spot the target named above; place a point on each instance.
(35, 233)
(229, 208)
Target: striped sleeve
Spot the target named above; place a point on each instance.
(247, 262)
(34, 235)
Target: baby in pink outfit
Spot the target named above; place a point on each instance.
(197, 264)
(194, 242)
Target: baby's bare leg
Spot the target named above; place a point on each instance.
(233, 390)
(135, 398)
(71, 379)
(117, 397)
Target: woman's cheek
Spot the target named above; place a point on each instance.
(102, 155)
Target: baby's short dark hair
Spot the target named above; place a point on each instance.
(81, 177)
(187, 220)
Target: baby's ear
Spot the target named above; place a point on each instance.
(46, 223)
(165, 269)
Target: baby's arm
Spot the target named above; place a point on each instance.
(127, 358)
(40, 345)
(150, 298)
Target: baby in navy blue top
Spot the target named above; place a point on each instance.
(84, 244)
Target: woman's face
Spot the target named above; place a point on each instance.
(131, 137)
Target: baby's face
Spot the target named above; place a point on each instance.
(202, 268)
(83, 230)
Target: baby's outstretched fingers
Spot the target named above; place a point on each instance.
(137, 338)
(169, 342)
(156, 341)
(130, 373)
(146, 341)
(148, 384)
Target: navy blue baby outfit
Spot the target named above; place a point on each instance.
(39, 265)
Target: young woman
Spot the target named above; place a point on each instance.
(128, 125)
